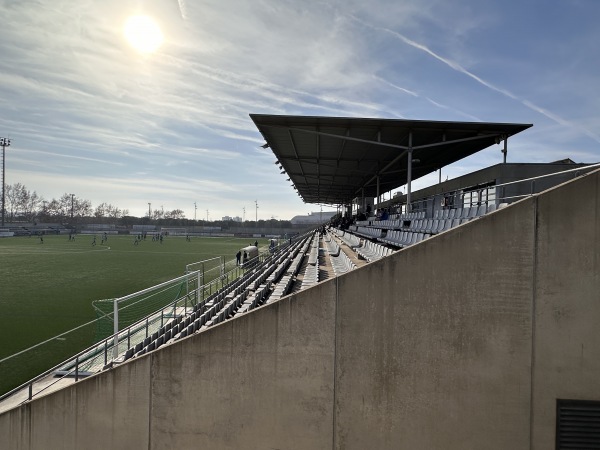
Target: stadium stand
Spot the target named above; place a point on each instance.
(449, 345)
(265, 283)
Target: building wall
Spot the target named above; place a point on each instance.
(567, 310)
(437, 355)
(464, 341)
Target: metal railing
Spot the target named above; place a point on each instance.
(532, 180)
(72, 366)
(501, 188)
(96, 357)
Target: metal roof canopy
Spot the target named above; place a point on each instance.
(332, 160)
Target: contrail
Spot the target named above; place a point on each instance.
(456, 66)
(182, 9)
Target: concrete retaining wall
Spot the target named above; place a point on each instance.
(464, 341)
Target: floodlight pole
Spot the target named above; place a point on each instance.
(4, 142)
(72, 204)
(256, 209)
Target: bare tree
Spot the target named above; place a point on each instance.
(54, 209)
(175, 214)
(12, 198)
(157, 214)
(102, 210)
(116, 213)
(31, 205)
(21, 203)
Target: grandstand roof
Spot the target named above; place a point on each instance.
(330, 160)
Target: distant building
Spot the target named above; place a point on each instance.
(232, 219)
(313, 218)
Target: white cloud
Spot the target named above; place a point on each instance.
(88, 114)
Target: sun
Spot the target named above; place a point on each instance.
(143, 34)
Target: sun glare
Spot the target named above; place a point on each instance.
(143, 34)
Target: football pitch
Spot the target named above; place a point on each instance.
(48, 288)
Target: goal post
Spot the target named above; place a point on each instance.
(166, 299)
(207, 270)
(151, 300)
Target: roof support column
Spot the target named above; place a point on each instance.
(378, 199)
(363, 206)
(409, 173)
(505, 149)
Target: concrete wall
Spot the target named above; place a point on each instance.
(438, 355)
(567, 307)
(464, 341)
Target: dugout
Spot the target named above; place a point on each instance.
(251, 256)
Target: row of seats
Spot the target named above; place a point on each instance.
(444, 220)
(348, 238)
(340, 261)
(311, 272)
(463, 214)
(313, 257)
(403, 238)
(246, 292)
(431, 226)
(393, 217)
(257, 298)
(333, 248)
(372, 251)
(367, 232)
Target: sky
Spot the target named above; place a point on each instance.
(90, 114)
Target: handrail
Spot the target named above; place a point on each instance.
(524, 180)
(266, 257)
(577, 169)
(91, 348)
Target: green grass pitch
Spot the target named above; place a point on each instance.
(48, 288)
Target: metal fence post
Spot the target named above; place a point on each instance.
(116, 329)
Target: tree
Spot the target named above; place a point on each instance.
(31, 205)
(116, 213)
(21, 203)
(175, 214)
(101, 210)
(157, 214)
(54, 209)
(12, 197)
(68, 206)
